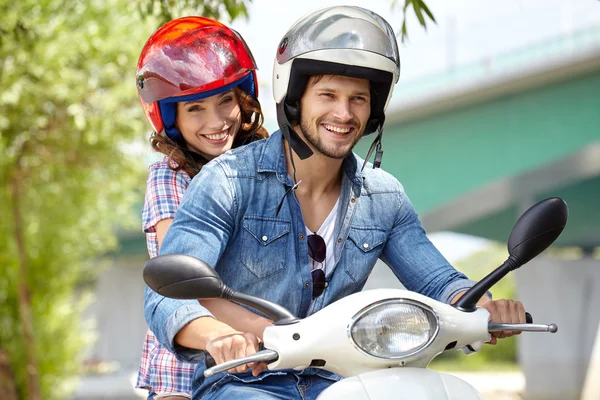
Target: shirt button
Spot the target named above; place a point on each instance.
(264, 238)
(353, 200)
(366, 245)
(306, 284)
(339, 240)
(301, 236)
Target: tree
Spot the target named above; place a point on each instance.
(66, 183)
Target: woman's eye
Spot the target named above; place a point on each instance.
(194, 108)
(226, 100)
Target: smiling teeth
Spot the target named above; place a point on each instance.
(336, 129)
(218, 136)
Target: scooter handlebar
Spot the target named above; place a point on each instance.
(528, 326)
(496, 327)
(261, 356)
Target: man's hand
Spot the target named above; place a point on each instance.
(233, 346)
(222, 342)
(505, 312)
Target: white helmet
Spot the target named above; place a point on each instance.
(341, 40)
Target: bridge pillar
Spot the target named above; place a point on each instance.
(568, 294)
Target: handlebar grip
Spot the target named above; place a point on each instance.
(267, 356)
(528, 318)
(210, 362)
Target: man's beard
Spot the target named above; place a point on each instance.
(312, 137)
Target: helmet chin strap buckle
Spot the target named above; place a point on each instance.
(376, 145)
(378, 155)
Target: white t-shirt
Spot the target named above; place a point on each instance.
(326, 231)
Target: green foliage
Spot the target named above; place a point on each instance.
(505, 352)
(419, 8)
(68, 105)
(166, 10)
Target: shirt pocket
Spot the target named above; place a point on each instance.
(264, 245)
(363, 247)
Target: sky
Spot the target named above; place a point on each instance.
(466, 32)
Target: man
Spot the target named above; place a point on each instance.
(295, 218)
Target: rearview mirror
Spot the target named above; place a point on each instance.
(181, 276)
(533, 232)
(537, 229)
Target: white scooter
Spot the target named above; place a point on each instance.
(380, 341)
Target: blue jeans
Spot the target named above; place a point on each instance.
(270, 386)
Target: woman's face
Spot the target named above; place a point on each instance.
(210, 125)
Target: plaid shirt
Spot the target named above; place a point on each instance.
(160, 372)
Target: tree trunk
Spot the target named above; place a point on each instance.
(31, 370)
(7, 379)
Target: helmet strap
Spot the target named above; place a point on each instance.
(296, 183)
(296, 143)
(376, 145)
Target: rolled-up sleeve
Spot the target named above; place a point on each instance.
(416, 261)
(166, 317)
(202, 227)
(164, 190)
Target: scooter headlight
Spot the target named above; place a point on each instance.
(394, 328)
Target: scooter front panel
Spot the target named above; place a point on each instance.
(401, 384)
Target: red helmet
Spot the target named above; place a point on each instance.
(191, 58)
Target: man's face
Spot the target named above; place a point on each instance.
(334, 111)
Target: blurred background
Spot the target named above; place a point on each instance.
(497, 107)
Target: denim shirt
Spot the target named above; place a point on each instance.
(228, 218)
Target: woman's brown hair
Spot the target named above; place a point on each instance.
(251, 129)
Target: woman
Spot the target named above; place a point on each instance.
(197, 83)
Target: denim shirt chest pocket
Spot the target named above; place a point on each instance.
(264, 245)
(363, 247)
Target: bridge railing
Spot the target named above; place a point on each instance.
(557, 48)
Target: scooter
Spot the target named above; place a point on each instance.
(379, 341)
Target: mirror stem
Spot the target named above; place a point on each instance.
(275, 312)
(468, 301)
